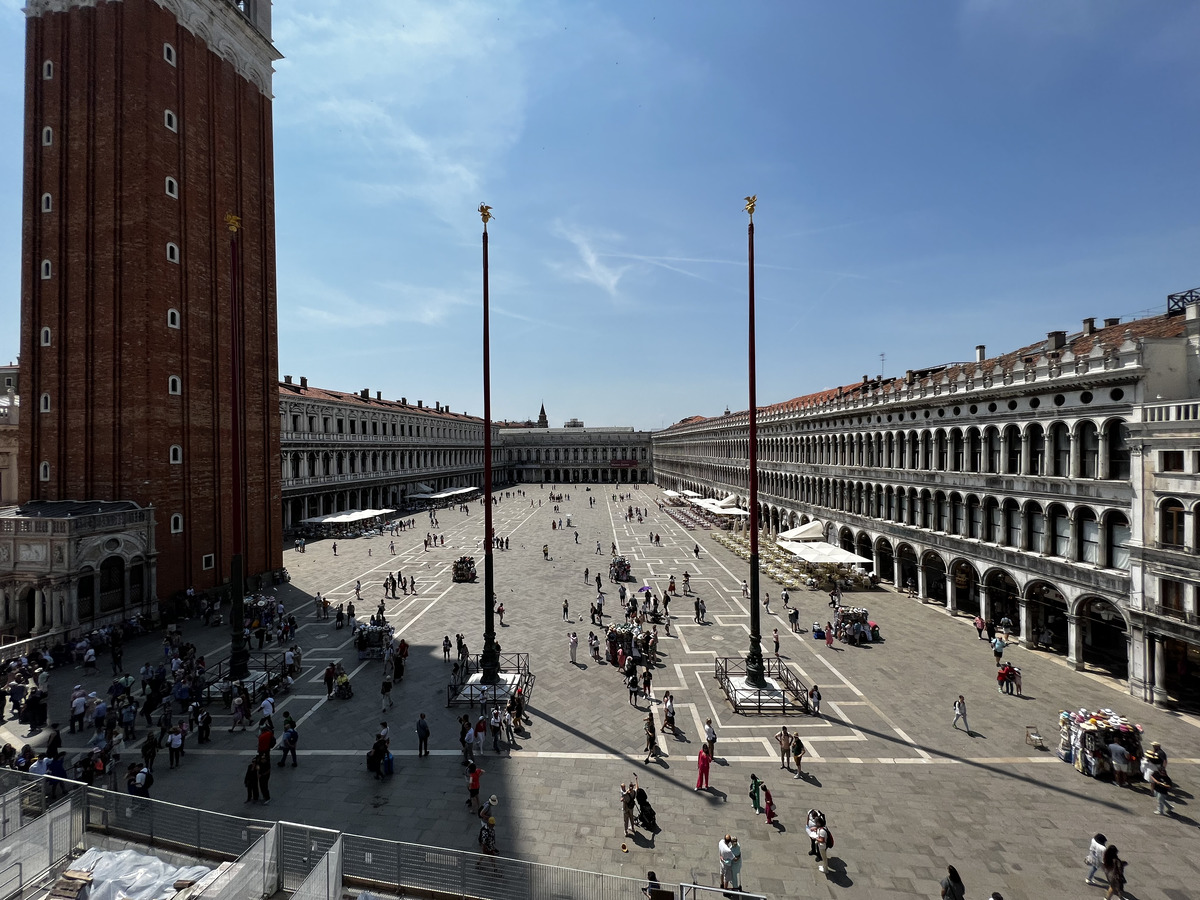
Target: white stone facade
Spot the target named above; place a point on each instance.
(1008, 486)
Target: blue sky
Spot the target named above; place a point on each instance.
(931, 176)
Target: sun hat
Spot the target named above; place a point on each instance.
(493, 800)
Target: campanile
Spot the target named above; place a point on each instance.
(146, 123)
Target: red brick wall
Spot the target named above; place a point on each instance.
(112, 423)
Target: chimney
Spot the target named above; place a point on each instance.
(365, 393)
(287, 379)
(1109, 323)
(909, 378)
(420, 404)
(1089, 326)
(404, 401)
(1055, 340)
(303, 381)
(379, 395)
(980, 352)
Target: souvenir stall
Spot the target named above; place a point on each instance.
(464, 569)
(618, 569)
(1084, 740)
(370, 640)
(853, 625)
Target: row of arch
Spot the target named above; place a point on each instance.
(1079, 449)
(316, 463)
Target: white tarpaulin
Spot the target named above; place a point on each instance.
(669, 494)
(728, 502)
(454, 492)
(809, 531)
(691, 494)
(820, 552)
(128, 875)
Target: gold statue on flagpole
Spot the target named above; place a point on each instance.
(232, 222)
(750, 201)
(485, 213)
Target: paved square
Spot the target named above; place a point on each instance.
(904, 792)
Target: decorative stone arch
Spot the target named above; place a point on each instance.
(1045, 612)
(846, 539)
(862, 546)
(1103, 634)
(906, 565)
(885, 566)
(964, 587)
(933, 575)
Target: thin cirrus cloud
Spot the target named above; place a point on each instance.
(323, 306)
(588, 266)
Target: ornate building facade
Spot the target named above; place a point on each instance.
(1014, 485)
(344, 451)
(575, 454)
(146, 122)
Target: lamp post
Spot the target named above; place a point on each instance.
(239, 651)
(755, 671)
(489, 661)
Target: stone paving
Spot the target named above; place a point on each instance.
(904, 792)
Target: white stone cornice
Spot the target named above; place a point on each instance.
(227, 32)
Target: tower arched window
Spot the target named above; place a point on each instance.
(46, 336)
(172, 252)
(44, 471)
(169, 54)
(177, 524)
(47, 136)
(172, 187)
(47, 203)
(172, 318)
(170, 120)
(44, 406)
(47, 269)
(174, 385)
(176, 454)
(47, 70)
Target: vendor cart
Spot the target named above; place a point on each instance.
(1084, 739)
(464, 569)
(618, 569)
(370, 640)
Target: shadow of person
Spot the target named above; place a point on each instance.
(716, 794)
(581, 665)
(810, 778)
(835, 871)
(779, 826)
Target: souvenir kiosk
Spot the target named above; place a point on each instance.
(1085, 736)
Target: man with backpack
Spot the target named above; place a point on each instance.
(144, 781)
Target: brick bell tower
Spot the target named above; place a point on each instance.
(146, 122)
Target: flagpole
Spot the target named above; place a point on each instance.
(755, 670)
(489, 661)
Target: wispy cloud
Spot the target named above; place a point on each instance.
(588, 268)
(393, 303)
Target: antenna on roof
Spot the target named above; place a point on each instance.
(882, 357)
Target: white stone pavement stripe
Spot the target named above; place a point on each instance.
(556, 754)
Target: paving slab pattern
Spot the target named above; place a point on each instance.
(905, 793)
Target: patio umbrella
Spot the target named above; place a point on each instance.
(645, 587)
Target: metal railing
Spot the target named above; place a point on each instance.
(462, 693)
(308, 862)
(791, 700)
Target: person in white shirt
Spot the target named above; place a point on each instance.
(268, 710)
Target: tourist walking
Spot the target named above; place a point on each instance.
(627, 798)
(703, 763)
(755, 793)
(814, 700)
(710, 735)
(474, 773)
(573, 644)
(1114, 872)
(768, 805)
(798, 751)
(291, 737)
(960, 712)
(952, 885)
(251, 781)
(264, 777)
(1095, 857)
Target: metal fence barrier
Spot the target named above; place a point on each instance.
(313, 863)
(254, 874)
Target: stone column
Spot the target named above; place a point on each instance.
(1073, 455)
(876, 560)
(1102, 456)
(1158, 645)
(951, 593)
(1074, 642)
(4, 592)
(1024, 625)
(1026, 453)
(921, 592)
(39, 610)
(985, 603)
(125, 592)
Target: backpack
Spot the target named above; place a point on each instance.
(829, 840)
(149, 783)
